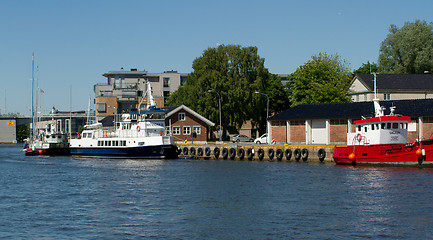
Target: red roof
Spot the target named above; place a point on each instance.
(384, 119)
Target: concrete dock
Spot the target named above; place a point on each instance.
(300, 153)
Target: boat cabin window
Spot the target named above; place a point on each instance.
(394, 125)
(388, 125)
(84, 135)
(383, 126)
(89, 135)
(365, 129)
(372, 127)
(359, 128)
(100, 143)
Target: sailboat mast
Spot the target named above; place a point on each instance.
(33, 91)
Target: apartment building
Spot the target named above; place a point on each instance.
(126, 90)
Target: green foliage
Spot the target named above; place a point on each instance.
(408, 49)
(367, 68)
(323, 79)
(235, 73)
(80, 129)
(23, 132)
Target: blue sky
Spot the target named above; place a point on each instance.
(75, 42)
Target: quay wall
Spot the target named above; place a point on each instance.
(300, 153)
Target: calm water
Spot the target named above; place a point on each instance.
(71, 198)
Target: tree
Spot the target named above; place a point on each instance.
(408, 49)
(323, 79)
(236, 73)
(367, 68)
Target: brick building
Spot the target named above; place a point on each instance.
(329, 123)
(182, 121)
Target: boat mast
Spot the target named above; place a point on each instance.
(378, 110)
(33, 90)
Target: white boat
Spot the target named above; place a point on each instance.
(138, 134)
(47, 141)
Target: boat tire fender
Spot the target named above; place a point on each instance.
(260, 154)
(216, 152)
(192, 151)
(232, 153)
(304, 154)
(271, 153)
(279, 154)
(288, 154)
(241, 153)
(321, 154)
(200, 152)
(207, 151)
(297, 154)
(225, 153)
(250, 154)
(185, 151)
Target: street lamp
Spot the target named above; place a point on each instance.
(267, 114)
(219, 102)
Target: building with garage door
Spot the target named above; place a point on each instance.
(328, 124)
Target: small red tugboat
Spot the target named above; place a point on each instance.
(381, 141)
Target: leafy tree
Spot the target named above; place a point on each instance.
(408, 49)
(323, 79)
(23, 132)
(235, 73)
(367, 68)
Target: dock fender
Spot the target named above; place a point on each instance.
(297, 154)
(225, 153)
(271, 153)
(207, 151)
(304, 154)
(260, 154)
(216, 152)
(185, 151)
(288, 154)
(279, 154)
(192, 151)
(321, 154)
(241, 153)
(232, 153)
(200, 152)
(250, 154)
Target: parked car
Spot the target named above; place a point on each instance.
(261, 139)
(241, 138)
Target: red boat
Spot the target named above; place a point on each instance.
(381, 141)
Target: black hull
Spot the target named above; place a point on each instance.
(159, 151)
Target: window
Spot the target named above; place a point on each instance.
(176, 130)
(197, 130)
(101, 107)
(359, 128)
(386, 96)
(166, 82)
(67, 125)
(167, 130)
(383, 126)
(181, 116)
(394, 125)
(388, 126)
(372, 127)
(59, 126)
(186, 130)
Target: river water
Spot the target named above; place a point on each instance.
(81, 198)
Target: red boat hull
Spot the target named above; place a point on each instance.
(386, 154)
